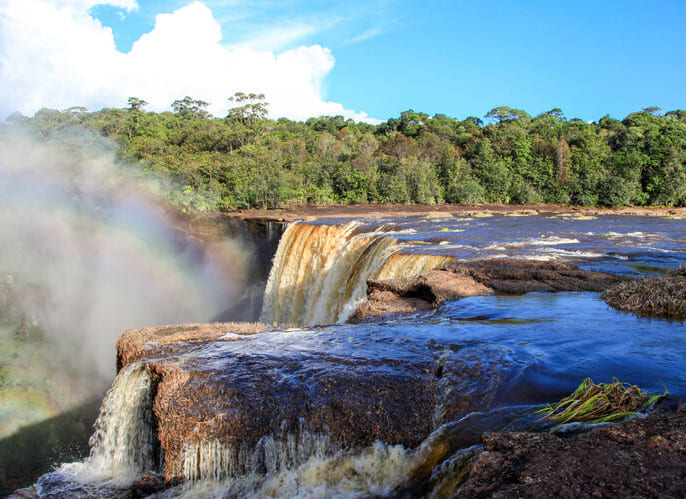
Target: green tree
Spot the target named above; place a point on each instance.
(136, 104)
(247, 108)
(503, 114)
(191, 108)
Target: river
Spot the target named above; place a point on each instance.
(506, 354)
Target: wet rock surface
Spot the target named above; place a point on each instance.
(514, 276)
(152, 341)
(387, 302)
(226, 386)
(214, 385)
(637, 458)
(461, 280)
(420, 292)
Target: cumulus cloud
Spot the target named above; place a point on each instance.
(54, 54)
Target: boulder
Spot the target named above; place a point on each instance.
(461, 280)
(215, 389)
(386, 302)
(420, 292)
(644, 457)
(162, 340)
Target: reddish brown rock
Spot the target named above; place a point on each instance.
(211, 385)
(515, 276)
(148, 342)
(421, 292)
(502, 275)
(434, 287)
(638, 458)
(387, 302)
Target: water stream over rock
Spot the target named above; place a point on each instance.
(395, 403)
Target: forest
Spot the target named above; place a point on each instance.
(247, 160)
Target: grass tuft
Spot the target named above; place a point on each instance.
(599, 403)
(660, 297)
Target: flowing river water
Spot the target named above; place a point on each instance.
(502, 355)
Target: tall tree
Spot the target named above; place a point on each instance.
(247, 108)
(191, 108)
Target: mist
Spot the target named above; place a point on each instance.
(86, 253)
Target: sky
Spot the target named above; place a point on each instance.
(364, 59)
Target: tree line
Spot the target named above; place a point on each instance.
(246, 160)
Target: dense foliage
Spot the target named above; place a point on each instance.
(246, 160)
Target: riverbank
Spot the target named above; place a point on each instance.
(643, 457)
(399, 210)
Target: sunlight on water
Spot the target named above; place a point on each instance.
(320, 272)
(493, 359)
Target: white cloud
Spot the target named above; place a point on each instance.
(367, 35)
(278, 37)
(54, 54)
(128, 5)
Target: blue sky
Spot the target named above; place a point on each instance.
(377, 58)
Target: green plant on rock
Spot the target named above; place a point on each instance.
(599, 403)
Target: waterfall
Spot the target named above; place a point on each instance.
(320, 272)
(215, 460)
(307, 465)
(123, 445)
(124, 440)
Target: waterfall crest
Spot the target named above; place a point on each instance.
(320, 272)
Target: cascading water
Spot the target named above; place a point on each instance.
(309, 465)
(320, 271)
(494, 359)
(215, 460)
(123, 445)
(373, 471)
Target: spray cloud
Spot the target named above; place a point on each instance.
(85, 252)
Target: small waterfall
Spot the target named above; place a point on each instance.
(124, 439)
(123, 445)
(320, 272)
(215, 460)
(297, 468)
(281, 468)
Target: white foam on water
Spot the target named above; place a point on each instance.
(231, 336)
(373, 471)
(542, 240)
(625, 235)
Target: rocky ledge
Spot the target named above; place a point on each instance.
(644, 457)
(225, 386)
(219, 389)
(460, 280)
